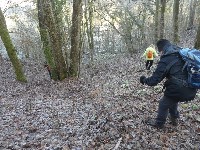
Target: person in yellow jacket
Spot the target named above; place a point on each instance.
(150, 53)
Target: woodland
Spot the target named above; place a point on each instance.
(93, 99)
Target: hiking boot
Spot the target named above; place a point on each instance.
(173, 121)
(152, 122)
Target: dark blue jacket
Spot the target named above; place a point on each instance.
(175, 89)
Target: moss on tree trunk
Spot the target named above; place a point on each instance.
(75, 38)
(51, 38)
(48, 53)
(11, 49)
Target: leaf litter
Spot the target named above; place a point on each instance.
(105, 110)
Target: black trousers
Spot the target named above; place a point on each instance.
(167, 105)
(149, 63)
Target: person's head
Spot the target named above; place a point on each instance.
(152, 46)
(161, 44)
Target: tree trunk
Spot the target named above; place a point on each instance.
(89, 27)
(91, 44)
(175, 21)
(55, 39)
(11, 49)
(197, 42)
(129, 43)
(46, 46)
(162, 18)
(193, 4)
(75, 38)
(128, 35)
(156, 21)
(57, 7)
(182, 17)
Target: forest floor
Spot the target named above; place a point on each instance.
(103, 110)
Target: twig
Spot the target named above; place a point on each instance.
(118, 143)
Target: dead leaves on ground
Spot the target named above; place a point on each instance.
(104, 109)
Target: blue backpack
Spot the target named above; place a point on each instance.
(192, 64)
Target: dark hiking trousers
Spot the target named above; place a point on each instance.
(166, 105)
(149, 63)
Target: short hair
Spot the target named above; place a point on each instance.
(161, 43)
(153, 46)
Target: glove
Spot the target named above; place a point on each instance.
(142, 78)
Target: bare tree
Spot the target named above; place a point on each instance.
(193, 5)
(197, 42)
(162, 18)
(175, 21)
(156, 20)
(75, 38)
(89, 27)
(54, 39)
(11, 49)
(46, 46)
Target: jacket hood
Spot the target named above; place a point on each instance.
(170, 49)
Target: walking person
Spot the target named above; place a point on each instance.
(149, 55)
(175, 88)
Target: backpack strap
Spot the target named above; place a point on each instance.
(186, 63)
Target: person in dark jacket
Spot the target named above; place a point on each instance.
(170, 67)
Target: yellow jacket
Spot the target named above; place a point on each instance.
(150, 49)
